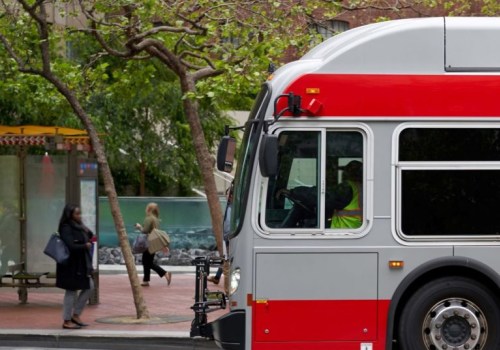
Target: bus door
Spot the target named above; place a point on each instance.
(307, 287)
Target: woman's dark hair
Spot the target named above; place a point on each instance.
(67, 214)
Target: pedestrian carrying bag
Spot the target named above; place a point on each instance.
(140, 244)
(158, 240)
(57, 249)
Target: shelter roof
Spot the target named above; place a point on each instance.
(40, 130)
(52, 137)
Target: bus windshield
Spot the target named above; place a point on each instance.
(246, 159)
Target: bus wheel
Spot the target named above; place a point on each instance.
(450, 313)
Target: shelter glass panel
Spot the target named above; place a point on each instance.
(187, 221)
(10, 230)
(45, 197)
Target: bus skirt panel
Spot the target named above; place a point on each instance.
(319, 324)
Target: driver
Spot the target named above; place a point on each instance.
(346, 200)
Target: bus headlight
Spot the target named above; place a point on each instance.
(234, 280)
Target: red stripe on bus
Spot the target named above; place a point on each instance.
(319, 324)
(369, 95)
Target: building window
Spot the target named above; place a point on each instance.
(232, 40)
(449, 182)
(70, 50)
(329, 28)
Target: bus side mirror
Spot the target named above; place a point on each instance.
(225, 154)
(268, 155)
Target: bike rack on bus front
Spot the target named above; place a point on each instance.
(205, 301)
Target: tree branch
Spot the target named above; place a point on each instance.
(104, 44)
(21, 66)
(194, 47)
(36, 4)
(8, 10)
(43, 31)
(159, 29)
(193, 23)
(44, 42)
(195, 55)
(32, 10)
(191, 65)
(178, 42)
(206, 73)
(154, 51)
(160, 51)
(370, 5)
(89, 14)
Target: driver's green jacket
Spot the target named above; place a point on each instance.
(352, 214)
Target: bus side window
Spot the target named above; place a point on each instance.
(344, 180)
(293, 197)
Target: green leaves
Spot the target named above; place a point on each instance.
(138, 103)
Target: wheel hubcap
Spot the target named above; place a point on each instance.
(455, 324)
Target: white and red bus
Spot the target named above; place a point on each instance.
(415, 104)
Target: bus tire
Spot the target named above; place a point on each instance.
(450, 313)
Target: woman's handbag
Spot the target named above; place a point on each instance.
(158, 240)
(57, 249)
(141, 244)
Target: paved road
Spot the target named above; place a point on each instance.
(180, 347)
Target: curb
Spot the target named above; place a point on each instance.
(103, 340)
(121, 269)
(84, 333)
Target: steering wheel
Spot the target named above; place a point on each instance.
(297, 202)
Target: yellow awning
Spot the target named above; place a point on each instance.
(33, 130)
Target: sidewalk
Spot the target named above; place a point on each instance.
(42, 314)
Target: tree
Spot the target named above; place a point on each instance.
(141, 103)
(25, 99)
(215, 49)
(212, 46)
(143, 108)
(31, 42)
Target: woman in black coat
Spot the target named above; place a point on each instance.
(75, 274)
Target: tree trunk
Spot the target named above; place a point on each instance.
(142, 178)
(109, 187)
(204, 158)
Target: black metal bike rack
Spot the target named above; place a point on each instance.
(205, 300)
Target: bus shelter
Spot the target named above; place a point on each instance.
(42, 169)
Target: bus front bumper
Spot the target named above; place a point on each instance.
(229, 330)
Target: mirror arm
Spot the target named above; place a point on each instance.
(276, 100)
(267, 124)
(294, 102)
(228, 128)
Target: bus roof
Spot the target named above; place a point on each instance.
(413, 46)
(425, 67)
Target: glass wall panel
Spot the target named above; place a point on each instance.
(45, 200)
(187, 220)
(10, 233)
